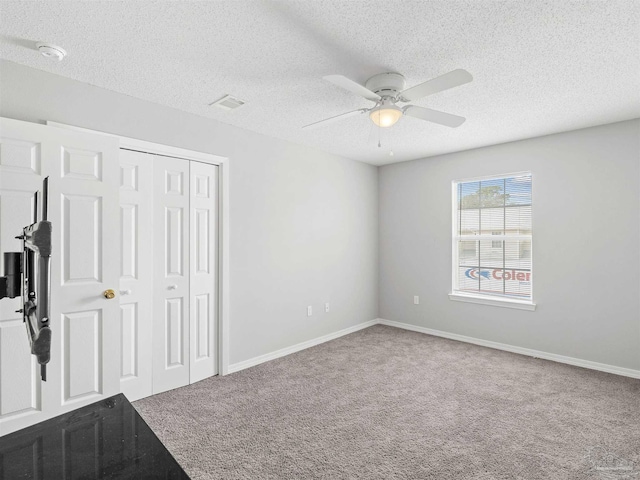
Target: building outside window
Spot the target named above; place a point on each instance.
(492, 237)
(496, 243)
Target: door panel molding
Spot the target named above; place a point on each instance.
(82, 347)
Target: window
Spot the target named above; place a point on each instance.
(492, 239)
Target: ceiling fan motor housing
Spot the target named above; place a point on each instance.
(388, 84)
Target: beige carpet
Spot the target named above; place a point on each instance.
(385, 403)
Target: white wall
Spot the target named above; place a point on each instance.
(586, 247)
(303, 222)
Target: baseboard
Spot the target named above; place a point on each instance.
(603, 367)
(236, 367)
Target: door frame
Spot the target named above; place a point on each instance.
(143, 146)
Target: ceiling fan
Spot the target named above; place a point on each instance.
(387, 89)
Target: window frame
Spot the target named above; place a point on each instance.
(483, 298)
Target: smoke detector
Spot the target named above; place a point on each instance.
(228, 102)
(51, 51)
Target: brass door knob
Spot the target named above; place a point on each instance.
(109, 294)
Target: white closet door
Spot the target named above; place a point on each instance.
(136, 273)
(171, 274)
(204, 267)
(83, 210)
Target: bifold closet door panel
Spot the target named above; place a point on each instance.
(136, 273)
(171, 273)
(204, 267)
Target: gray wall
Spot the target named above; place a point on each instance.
(586, 228)
(303, 222)
(305, 228)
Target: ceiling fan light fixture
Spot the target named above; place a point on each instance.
(385, 115)
(385, 89)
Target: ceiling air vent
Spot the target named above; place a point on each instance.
(228, 103)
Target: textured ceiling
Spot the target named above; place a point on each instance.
(539, 67)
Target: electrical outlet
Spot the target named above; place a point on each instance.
(326, 307)
(416, 300)
(309, 311)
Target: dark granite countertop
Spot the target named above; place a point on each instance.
(105, 440)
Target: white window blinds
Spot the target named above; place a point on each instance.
(493, 237)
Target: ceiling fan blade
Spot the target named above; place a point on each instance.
(434, 116)
(352, 86)
(438, 84)
(326, 121)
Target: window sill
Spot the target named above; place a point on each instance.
(496, 302)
